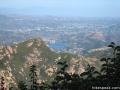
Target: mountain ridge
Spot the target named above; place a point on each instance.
(15, 60)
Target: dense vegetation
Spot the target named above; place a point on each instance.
(107, 78)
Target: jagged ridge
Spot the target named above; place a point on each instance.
(15, 61)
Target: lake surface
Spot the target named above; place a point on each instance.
(58, 46)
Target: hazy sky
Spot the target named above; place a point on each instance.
(81, 8)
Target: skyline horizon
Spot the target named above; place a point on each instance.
(73, 17)
(72, 8)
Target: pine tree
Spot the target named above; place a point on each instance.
(116, 64)
(107, 72)
(111, 68)
(75, 82)
(89, 77)
(61, 79)
(22, 85)
(44, 86)
(33, 77)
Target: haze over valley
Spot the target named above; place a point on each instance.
(62, 34)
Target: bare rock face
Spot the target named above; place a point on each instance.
(79, 65)
(16, 60)
(7, 51)
(9, 78)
